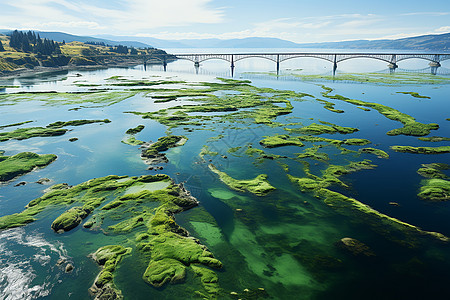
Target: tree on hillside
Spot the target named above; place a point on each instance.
(29, 42)
(1, 47)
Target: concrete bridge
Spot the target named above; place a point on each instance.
(391, 59)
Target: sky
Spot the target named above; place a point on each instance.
(294, 20)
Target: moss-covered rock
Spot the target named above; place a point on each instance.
(422, 150)
(355, 247)
(325, 127)
(61, 124)
(71, 218)
(22, 163)
(378, 152)
(135, 130)
(280, 140)
(313, 153)
(258, 186)
(434, 139)
(434, 170)
(108, 257)
(435, 190)
(152, 153)
(26, 133)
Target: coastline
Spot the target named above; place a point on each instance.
(25, 72)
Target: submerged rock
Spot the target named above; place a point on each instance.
(69, 268)
(43, 181)
(355, 247)
(70, 219)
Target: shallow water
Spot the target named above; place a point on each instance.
(283, 242)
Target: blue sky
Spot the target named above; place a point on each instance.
(298, 21)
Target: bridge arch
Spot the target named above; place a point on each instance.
(363, 56)
(254, 56)
(306, 56)
(213, 58)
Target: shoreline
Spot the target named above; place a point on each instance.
(25, 72)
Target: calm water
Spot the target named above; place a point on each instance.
(281, 243)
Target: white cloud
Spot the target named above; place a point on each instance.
(443, 29)
(129, 16)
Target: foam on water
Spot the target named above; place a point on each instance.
(24, 253)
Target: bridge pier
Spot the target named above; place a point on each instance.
(278, 64)
(232, 66)
(434, 64)
(392, 66)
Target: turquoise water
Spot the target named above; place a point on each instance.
(284, 242)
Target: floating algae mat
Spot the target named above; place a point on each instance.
(132, 184)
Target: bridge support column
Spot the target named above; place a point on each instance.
(278, 65)
(434, 64)
(392, 67)
(334, 65)
(232, 66)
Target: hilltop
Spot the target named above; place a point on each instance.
(37, 53)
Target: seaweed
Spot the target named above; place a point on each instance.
(421, 150)
(258, 186)
(22, 163)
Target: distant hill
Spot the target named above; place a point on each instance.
(254, 42)
(437, 42)
(61, 36)
(433, 42)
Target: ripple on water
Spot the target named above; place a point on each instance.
(23, 255)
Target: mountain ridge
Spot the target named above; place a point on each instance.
(433, 42)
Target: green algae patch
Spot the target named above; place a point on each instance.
(91, 193)
(375, 78)
(434, 139)
(262, 105)
(27, 133)
(145, 205)
(405, 233)
(99, 98)
(132, 141)
(323, 128)
(261, 154)
(312, 153)
(377, 152)
(61, 124)
(330, 106)
(421, 150)
(414, 94)
(165, 143)
(434, 170)
(170, 254)
(280, 141)
(53, 129)
(211, 233)
(108, 257)
(22, 163)
(258, 186)
(435, 190)
(377, 220)
(438, 187)
(71, 218)
(14, 124)
(208, 279)
(135, 130)
(205, 151)
(152, 153)
(410, 125)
